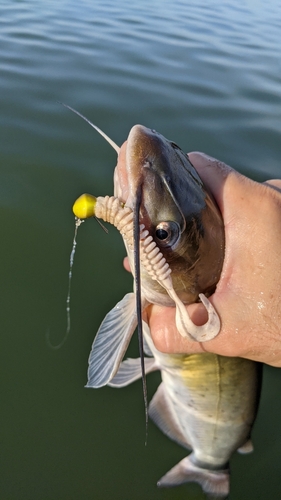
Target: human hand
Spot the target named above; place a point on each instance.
(249, 290)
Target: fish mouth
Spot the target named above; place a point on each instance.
(120, 178)
(144, 167)
(128, 174)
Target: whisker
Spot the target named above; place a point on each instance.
(110, 141)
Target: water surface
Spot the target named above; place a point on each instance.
(207, 76)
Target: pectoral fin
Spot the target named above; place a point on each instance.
(130, 370)
(111, 342)
(146, 339)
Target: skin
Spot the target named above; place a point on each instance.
(248, 294)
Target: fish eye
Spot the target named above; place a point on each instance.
(167, 233)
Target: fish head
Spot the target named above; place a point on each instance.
(176, 209)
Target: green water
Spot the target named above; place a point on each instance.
(208, 76)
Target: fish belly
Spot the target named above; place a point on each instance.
(214, 401)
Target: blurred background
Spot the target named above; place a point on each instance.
(206, 75)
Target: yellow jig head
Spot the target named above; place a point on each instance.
(84, 206)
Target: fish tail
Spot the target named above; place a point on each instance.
(213, 482)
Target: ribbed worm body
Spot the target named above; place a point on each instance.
(112, 210)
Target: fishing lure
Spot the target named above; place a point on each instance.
(112, 210)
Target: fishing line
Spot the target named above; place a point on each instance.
(136, 233)
(78, 223)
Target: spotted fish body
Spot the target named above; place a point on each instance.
(218, 397)
(207, 403)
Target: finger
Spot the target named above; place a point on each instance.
(275, 184)
(165, 335)
(126, 264)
